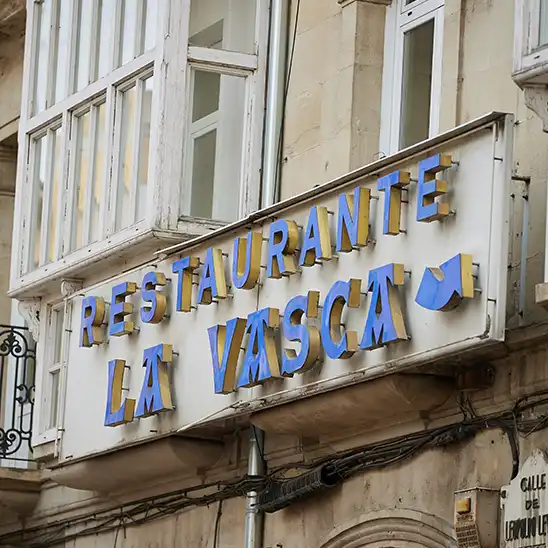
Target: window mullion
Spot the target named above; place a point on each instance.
(32, 191)
(63, 187)
(118, 31)
(93, 115)
(106, 176)
(115, 158)
(46, 197)
(139, 45)
(95, 38)
(73, 46)
(53, 52)
(71, 186)
(140, 86)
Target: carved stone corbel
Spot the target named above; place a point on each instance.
(536, 99)
(69, 286)
(30, 310)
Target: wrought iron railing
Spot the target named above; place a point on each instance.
(17, 376)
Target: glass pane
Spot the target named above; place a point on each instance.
(129, 30)
(54, 398)
(40, 167)
(42, 51)
(228, 24)
(543, 23)
(61, 74)
(107, 16)
(418, 51)
(151, 21)
(84, 44)
(217, 140)
(203, 175)
(57, 325)
(95, 229)
(54, 194)
(124, 216)
(144, 145)
(207, 87)
(80, 180)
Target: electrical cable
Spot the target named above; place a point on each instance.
(338, 467)
(217, 531)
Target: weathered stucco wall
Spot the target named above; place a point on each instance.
(334, 94)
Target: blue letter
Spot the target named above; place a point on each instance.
(119, 308)
(117, 412)
(212, 281)
(225, 343)
(157, 310)
(384, 322)
(444, 288)
(340, 294)
(353, 220)
(392, 185)
(429, 187)
(93, 315)
(316, 239)
(246, 265)
(282, 243)
(307, 336)
(184, 268)
(261, 359)
(156, 393)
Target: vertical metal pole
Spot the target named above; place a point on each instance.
(523, 261)
(253, 517)
(275, 99)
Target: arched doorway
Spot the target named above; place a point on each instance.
(393, 529)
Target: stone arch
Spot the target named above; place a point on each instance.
(392, 529)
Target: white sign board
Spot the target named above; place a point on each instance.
(525, 505)
(429, 283)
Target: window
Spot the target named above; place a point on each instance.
(87, 124)
(412, 73)
(221, 35)
(111, 101)
(54, 360)
(531, 41)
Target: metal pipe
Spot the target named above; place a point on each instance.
(523, 260)
(254, 518)
(275, 100)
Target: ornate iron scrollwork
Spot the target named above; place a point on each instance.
(17, 377)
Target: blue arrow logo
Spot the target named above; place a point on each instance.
(444, 288)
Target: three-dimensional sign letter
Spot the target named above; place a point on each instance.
(341, 294)
(225, 342)
(295, 331)
(156, 392)
(384, 322)
(93, 316)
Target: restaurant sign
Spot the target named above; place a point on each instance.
(401, 266)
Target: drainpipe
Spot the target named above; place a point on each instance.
(275, 105)
(275, 100)
(254, 518)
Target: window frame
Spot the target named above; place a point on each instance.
(530, 59)
(399, 20)
(43, 430)
(163, 221)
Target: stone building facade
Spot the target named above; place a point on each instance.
(154, 132)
